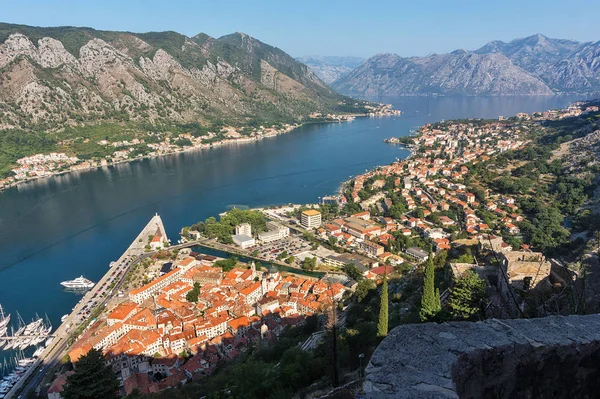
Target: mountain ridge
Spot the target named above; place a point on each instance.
(57, 76)
(534, 65)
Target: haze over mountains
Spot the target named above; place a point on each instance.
(53, 76)
(331, 68)
(528, 66)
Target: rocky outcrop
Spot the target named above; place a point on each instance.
(458, 73)
(551, 357)
(533, 65)
(60, 76)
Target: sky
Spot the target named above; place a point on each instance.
(327, 27)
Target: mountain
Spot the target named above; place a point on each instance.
(460, 72)
(564, 65)
(532, 65)
(331, 68)
(51, 77)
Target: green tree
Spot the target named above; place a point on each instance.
(93, 379)
(430, 301)
(352, 271)
(226, 264)
(192, 295)
(382, 324)
(309, 263)
(333, 241)
(363, 288)
(467, 297)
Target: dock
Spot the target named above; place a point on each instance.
(53, 353)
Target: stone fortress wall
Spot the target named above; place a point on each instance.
(551, 357)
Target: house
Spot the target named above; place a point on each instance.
(417, 254)
(239, 326)
(512, 229)
(371, 248)
(379, 272)
(140, 382)
(139, 295)
(493, 242)
(56, 388)
(362, 215)
(166, 365)
(446, 221)
(122, 312)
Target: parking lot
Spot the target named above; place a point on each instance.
(101, 290)
(292, 245)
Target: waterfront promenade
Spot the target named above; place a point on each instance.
(96, 298)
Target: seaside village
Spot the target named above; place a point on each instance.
(150, 331)
(44, 165)
(157, 144)
(158, 328)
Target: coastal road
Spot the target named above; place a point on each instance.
(98, 297)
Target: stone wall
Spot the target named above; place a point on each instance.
(552, 357)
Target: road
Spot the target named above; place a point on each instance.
(97, 297)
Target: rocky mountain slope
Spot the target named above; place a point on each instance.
(50, 77)
(331, 68)
(533, 65)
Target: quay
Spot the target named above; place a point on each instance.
(96, 298)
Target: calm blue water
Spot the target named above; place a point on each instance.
(59, 228)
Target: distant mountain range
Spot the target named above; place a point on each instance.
(331, 68)
(533, 65)
(52, 77)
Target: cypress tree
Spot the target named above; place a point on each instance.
(430, 301)
(382, 324)
(93, 379)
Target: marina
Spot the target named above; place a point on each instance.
(13, 370)
(26, 335)
(49, 354)
(37, 257)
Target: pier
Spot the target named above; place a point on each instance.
(101, 292)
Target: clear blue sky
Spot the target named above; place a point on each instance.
(327, 27)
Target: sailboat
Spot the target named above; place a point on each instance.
(14, 343)
(31, 330)
(4, 320)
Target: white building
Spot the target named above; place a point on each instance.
(244, 241)
(310, 218)
(275, 232)
(244, 229)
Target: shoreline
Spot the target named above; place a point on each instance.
(243, 140)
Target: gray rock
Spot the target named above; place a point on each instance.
(535, 358)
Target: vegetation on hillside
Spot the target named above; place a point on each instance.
(93, 378)
(223, 229)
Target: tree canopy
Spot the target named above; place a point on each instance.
(467, 297)
(430, 301)
(93, 379)
(382, 323)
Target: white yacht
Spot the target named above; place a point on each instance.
(80, 283)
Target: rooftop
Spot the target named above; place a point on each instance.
(311, 212)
